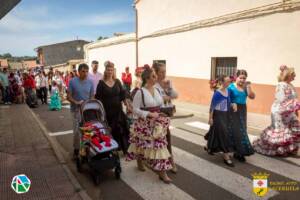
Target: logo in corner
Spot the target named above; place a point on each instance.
(21, 184)
(260, 183)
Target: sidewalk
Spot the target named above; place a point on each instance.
(24, 149)
(255, 121)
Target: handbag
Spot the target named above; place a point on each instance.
(168, 109)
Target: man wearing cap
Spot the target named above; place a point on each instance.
(95, 76)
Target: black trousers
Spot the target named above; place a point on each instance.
(43, 94)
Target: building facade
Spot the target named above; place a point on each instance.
(199, 39)
(119, 49)
(58, 55)
(3, 63)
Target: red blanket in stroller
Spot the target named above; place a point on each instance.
(98, 137)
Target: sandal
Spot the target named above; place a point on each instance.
(141, 165)
(164, 177)
(228, 162)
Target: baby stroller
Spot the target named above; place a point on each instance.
(97, 147)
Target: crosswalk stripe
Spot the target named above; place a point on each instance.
(66, 106)
(277, 166)
(204, 126)
(241, 186)
(199, 125)
(61, 133)
(148, 186)
(265, 162)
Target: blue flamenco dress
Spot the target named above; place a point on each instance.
(55, 102)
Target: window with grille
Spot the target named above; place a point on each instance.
(223, 66)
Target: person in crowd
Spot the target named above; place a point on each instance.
(42, 84)
(55, 101)
(111, 93)
(127, 80)
(95, 76)
(37, 89)
(239, 91)
(14, 88)
(137, 83)
(5, 84)
(69, 76)
(148, 140)
(60, 83)
(168, 93)
(218, 135)
(282, 137)
(50, 78)
(80, 90)
(30, 90)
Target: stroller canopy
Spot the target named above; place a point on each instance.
(92, 110)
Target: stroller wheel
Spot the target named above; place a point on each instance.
(118, 171)
(79, 164)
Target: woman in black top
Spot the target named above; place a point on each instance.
(111, 93)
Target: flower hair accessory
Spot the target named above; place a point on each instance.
(283, 67)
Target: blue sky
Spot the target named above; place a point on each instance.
(33, 23)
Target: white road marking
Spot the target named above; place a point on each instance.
(66, 106)
(197, 124)
(148, 186)
(61, 133)
(265, 162)
(241, 185)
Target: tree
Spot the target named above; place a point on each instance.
(6, 55)
(102, 38)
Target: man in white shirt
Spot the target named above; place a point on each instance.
(95, 76)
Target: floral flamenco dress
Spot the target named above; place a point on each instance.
(148, 140)
(282, 137)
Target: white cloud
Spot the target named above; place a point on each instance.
(25, 22)
(22, 30)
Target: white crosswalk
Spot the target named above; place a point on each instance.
(215, 174)
(147, 185)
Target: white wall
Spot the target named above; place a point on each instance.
(261, 45)
(160, 14)
(121, 55)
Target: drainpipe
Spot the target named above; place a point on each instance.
(136, 37)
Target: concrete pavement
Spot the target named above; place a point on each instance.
(25, 149)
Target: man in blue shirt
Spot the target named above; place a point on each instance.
(80, 89)
(4, 85)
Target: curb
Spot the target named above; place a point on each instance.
(58, 153)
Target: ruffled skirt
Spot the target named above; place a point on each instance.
(148, 142)
(281, 138)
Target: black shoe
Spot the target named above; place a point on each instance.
(239, 157)
(208, 151)
(228, 163)
(75, 154)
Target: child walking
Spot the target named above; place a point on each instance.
(55, 102)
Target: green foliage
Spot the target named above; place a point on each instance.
(16, 58)
(102, 38)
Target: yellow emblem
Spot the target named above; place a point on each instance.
(260, 183)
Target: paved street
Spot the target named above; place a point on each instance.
(200, 175)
